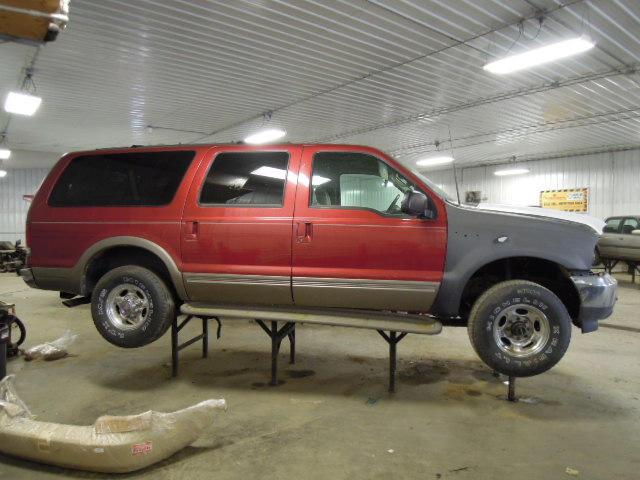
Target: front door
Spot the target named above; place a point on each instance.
(352, 246)
(237, 226)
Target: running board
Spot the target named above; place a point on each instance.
(368, 319)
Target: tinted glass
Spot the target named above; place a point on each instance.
(121, 179)
(629, 225)
(612, 225)
(246, 178)
(357, 180)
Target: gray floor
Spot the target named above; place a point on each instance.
(332, 418)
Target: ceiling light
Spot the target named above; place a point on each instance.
(265, 136)
(22, 103)
(3, 173)
(318, 180)
(511, 171)
(430, 162)
(538, 56)
(5, 153)
(270, 172)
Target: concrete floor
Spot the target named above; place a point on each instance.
(332, 418)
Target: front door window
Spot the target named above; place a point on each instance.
(357, 181)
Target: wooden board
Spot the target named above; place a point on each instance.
(24, 26)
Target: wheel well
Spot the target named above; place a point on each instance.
(115, 257)
(548, 274)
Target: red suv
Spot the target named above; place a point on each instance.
(142, 230)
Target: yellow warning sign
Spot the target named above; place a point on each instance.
(569, 200)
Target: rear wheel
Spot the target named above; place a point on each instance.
(132, 306)
(519, 328)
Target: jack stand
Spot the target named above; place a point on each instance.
(288, 330)
(392, 339)
(176, 347)
(511, 390)
(3, 356)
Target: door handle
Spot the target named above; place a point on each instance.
(304, 232)
(191, 230)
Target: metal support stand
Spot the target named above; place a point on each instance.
(392, 339)
(511, 390)
(176, 347)
(3, 359)
(288, 330)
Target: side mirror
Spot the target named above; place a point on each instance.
(635, 232)
(417, 204)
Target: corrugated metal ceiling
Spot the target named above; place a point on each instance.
(395, 74)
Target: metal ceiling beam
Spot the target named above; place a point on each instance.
(396, 65)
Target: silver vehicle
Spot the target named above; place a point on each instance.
(620, 239)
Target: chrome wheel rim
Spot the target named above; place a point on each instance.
(127, 307)
(521, 330)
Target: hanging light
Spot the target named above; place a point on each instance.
(5, 153)
(433, 161)
(511, 171)
(514, 170)
(265, 136)
(541, 55)
(24, 102)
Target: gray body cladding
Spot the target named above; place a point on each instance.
(473, 242)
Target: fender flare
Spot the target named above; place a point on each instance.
(80, 269)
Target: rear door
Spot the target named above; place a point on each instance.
(237, 226)
(629, 248)
(611, 239)
(352, 247)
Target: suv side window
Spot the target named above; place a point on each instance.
(121, 179)
(357, 180)
(247, 179)
(629, 225)
(612, 225)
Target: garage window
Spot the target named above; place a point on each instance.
(246, 179)
(121, 179)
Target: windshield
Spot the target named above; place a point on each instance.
(440, 192)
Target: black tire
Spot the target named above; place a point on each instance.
(515, 306)
(16, 322)
(150, 324)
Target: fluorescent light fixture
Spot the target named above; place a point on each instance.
(270, 172)
(3, 173)
(265, 136)
(22, 103)
(5, 153)
(430, 162)
(538, 56)
(511, 171)
(318, 180)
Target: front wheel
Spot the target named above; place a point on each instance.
(131, 306)
(519, 328)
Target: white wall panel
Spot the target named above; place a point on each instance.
(613, 179)
(13, 208)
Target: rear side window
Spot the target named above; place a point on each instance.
(246, 178)
(121, 179)
(629, 225)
